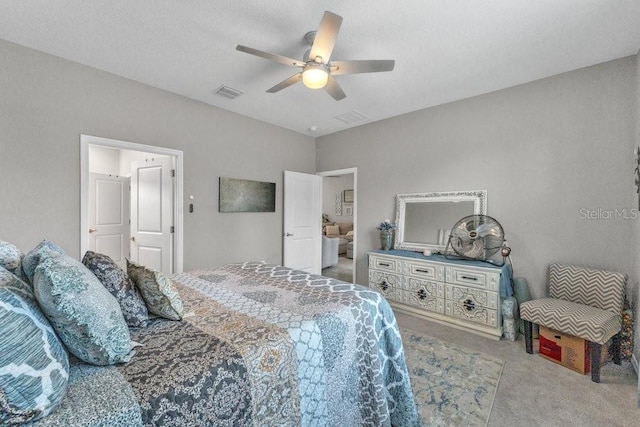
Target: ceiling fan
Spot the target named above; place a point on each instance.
(317, 69)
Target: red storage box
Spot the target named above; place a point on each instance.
(567, 350)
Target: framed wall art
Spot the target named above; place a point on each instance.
(243, 195)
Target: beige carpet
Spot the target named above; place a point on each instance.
(452, 385)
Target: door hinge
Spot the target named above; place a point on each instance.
(173, 229)
(173, 173)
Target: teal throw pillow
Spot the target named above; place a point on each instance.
(34, 366)
(37, 254)
(11, 258)
(158, 291)
(86, 317)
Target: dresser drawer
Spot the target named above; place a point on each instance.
(432, 288)
(477, 297)
(471, 304)
(425, 270)
(424, 294)
(387, 284)
(473, 277)
(384, 264)
(476, 314)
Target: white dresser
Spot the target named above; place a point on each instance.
(463, 294)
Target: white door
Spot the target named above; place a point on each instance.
(302, 221)
(152, 213)
(109, 216)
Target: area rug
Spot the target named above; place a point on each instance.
(452, 385)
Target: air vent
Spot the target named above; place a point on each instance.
(228, 92)
(350, 117)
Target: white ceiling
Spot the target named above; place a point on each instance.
(444, 49)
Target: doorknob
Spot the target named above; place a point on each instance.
(91, 230)
(132, 238)
(288, 234)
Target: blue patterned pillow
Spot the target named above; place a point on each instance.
(118, 284)
(11, 258)
(34, 367)
(10, 280)
(85, 315)
(158, 291)
(37, 254)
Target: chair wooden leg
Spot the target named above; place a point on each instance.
(615, 348)
(528, 336)
(596, 352)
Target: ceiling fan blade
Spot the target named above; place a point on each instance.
(272, 56)
(363, 66)
(326, 37)
(334, 89)
(286, 83)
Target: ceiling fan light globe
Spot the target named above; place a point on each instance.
(315, 76)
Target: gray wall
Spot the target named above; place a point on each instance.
(636, 230)
(47, 102)
(331, 185)
(543, 151)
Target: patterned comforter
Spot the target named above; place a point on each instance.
(261, 345)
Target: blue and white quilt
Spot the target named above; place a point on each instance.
(262, 345)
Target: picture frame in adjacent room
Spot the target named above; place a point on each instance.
(347, 196)
(243, 195)
(348, 210)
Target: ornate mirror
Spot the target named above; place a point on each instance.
(425, 219)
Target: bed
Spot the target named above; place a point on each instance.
(259, 345)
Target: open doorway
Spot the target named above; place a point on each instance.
(339, 226)
(131, 202)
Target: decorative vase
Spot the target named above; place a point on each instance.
(386, 239)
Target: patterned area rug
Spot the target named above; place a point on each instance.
(452, 386)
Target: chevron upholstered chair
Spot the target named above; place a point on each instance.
(584, 302)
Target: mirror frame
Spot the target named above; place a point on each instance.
(478, 197)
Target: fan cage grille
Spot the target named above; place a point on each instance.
(476, 237)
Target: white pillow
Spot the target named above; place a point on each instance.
(333, 230)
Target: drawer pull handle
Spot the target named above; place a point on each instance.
(422, 294)
(384, 264)
(469, 278)
(384, 285)
(422, 270)
(468, 304)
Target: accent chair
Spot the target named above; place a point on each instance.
(584, 302)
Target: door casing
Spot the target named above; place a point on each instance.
(348, 171)
(85, 142)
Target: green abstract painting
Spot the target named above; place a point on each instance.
(243, 195)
